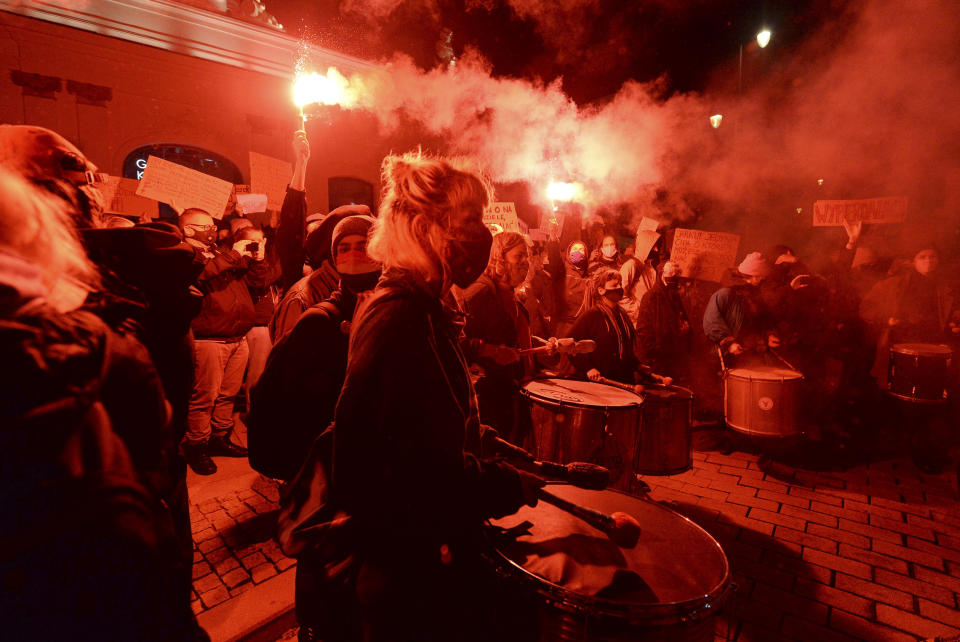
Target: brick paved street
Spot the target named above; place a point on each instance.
(234, 548)
(870, 553)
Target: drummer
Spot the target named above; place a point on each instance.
(738, 321)
(496, 327)
(615, 356)
(915, 307)
(416, 499)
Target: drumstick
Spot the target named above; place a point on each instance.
(617, 384)
(622, 529)
(580, 347)
(782, 359)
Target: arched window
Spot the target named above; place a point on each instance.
(202, 160)
(344, 190)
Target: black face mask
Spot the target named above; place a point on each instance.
(613, 296)
(360, 282)
(671, 282)
(468, 258)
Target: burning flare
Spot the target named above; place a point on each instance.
(557, 191)
(329, 89)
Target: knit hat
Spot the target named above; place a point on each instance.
(754, 265)
(350, 226)
(316, 247)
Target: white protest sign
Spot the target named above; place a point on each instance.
(704, 255)
(871, 210)
(644, 242)
(120, 197)
(649, 224)
(252, 203)
(182, 187)
(270, 176)
(502, 214)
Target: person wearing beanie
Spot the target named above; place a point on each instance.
(295, 398)
(320, 283)
(736, 319)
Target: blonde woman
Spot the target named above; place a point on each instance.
(406, 424)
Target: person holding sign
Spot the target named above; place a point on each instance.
(220, 346)
(736, 318)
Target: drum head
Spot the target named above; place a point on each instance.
(587, 394)
(674, 562)
(765, 373)
(921, 349)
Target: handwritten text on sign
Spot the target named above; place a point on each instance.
(120, 196)
(704, 255)
(182, 187)
(502, 214)
(270, 176)
(870, 210)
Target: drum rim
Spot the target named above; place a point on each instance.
(640, 611)
(729, 372)
(578, 404)
(947, 350)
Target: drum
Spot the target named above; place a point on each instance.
(763, 401)
(584, 587)
(920, 372)
(584, 421)
(666, 431)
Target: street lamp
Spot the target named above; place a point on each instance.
(715, 120)
(763, 39)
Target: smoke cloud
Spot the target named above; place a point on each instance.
(866, 104)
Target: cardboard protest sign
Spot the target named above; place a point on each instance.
(182, 187)
(252, 203)
(644, 242)
(270, 176)
(502, 214)
(704, 255)
(871, 210)
(650, 224)
(120, 197)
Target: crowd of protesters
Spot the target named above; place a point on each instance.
(373, 357)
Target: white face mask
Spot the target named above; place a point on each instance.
(609, 251)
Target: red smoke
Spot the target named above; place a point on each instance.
(865, 104)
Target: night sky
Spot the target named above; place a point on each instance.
(594, 46)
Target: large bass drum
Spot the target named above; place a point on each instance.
(585, 421)
(763, 401)
(577, 585)
(666, 434)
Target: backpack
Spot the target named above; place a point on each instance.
(276, 434)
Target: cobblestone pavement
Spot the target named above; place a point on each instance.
(869, 553)
(233, 544)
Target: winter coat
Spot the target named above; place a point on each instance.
(663, 330)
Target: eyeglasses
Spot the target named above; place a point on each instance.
(202, 228)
